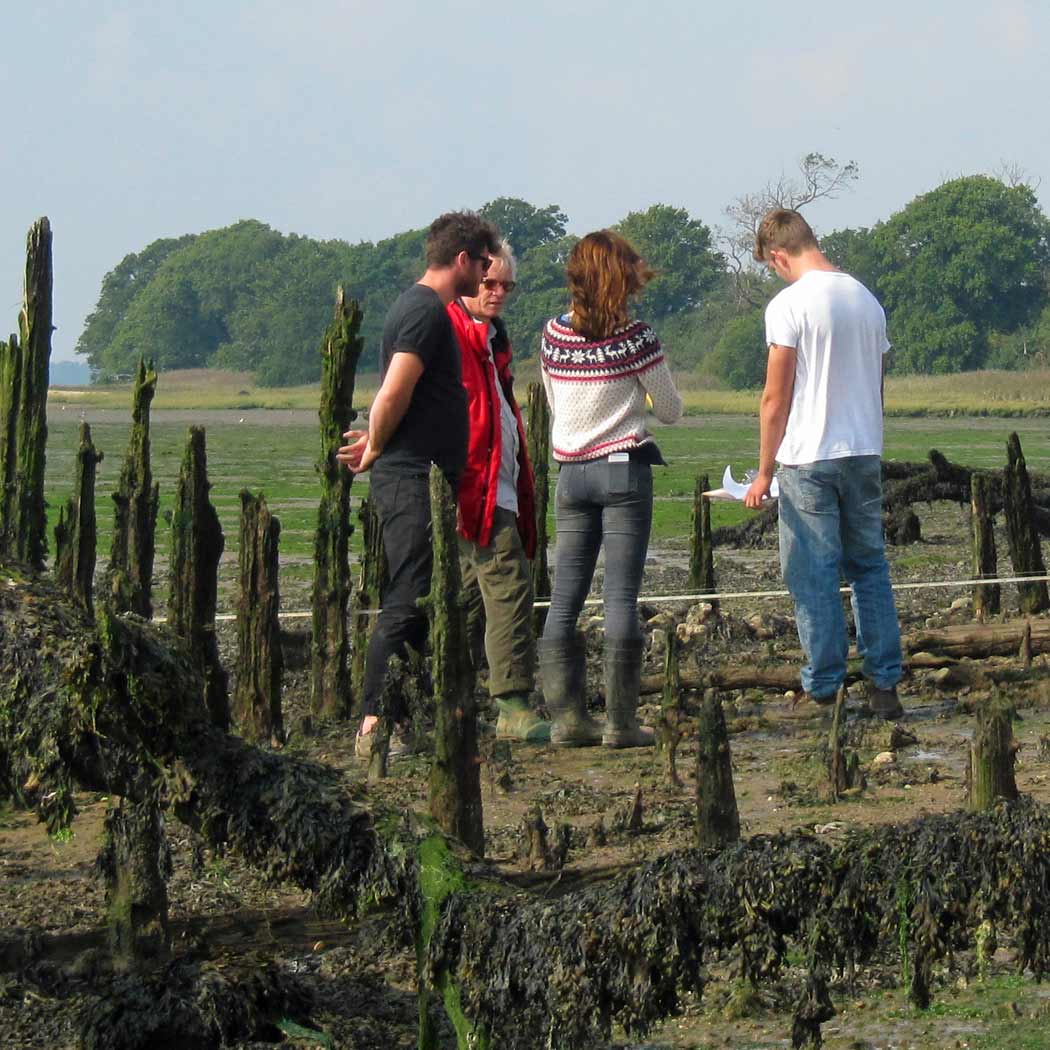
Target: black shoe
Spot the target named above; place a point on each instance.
(884, 702)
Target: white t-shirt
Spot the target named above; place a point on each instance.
(507, 487)
(838, 331)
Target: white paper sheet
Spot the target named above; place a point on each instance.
(737, 490)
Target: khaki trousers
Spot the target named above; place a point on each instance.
(497, 584)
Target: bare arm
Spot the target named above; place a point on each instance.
(773, 417)
(388, 409)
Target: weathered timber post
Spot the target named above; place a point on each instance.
(986, 596)
(197, 543)
(257, 698)
(24, 364)
(701, 551)
(455, 776)
(843, 765)
(672, 710)
(370, 580)
(136, 863)
(538, 438)
(718, 821)
(992, 754)
(1025, 551)
(340, 351)
(76, 533)
(130, 571)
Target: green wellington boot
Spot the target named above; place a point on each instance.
(563, 670)
(518, 721)
(623, 675)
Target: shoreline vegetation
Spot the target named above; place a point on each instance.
(983, 393)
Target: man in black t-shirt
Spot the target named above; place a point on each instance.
(418, 417)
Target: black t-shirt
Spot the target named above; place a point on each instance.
(434, 427)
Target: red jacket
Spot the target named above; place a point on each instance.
(480, 481)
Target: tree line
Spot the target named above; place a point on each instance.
(963, 271)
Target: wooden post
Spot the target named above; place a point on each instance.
(992, 753)
(843, 766)
(455, 776)
(76, 532)
(136, 862)
(257, 698)
(197, 543)
(340, 352)
(24, 364)
(130, 571)
(1025, 551)
(671, 708)
(986, 596)
(539, 443)
(701, 551)
(718, 821)
(370, 580)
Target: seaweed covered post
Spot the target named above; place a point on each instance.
(76, 532)
(538, 438)
(197, 543)
(370, 580)
(130, 571)
(992, 753)
(986, 596)
(1023, 536)
(701, 550)
(257, 697)
(455, 776)
(340, 351)
(24, 364)
(718, 821)
(672, 710)
(135, 861)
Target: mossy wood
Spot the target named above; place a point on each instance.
(1021, 532)
(701, 551)
(986, 596)
(129, 575)
(197, 543)
(455, 776)
(370, 582)
(93, 706)
(76, 534)
(330, 674)
(538, 438)
(260, 665)
(717, 818)
(672, 708)
(992, 754)
(843, 764)
(24, 367)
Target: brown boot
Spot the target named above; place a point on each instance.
(623, 675)
(884, 702)
(563, 671)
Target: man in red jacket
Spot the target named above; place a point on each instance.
(496, 502)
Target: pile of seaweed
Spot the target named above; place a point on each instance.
(625, 952)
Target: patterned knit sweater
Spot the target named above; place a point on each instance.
(596, 389)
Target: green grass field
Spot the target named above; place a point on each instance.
(276, 451)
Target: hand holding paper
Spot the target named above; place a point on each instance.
(737, 490)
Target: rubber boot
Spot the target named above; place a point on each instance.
(623, 676)
(563, 670)
(517, 721)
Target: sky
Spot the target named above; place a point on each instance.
(124, 122)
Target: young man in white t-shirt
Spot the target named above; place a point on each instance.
(821, 419)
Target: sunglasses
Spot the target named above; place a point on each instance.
(490, 284)
(485, 260)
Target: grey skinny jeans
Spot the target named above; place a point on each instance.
(598, 503)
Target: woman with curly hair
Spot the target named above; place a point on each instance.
(599, 368)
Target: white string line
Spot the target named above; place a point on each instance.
(655, 599)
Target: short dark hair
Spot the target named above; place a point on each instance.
(783, 230)
(460, 231)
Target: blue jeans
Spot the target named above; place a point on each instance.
(600, 502)
(831, 526)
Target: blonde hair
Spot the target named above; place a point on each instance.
(603, 271)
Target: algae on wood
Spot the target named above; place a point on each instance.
(672, 709)
(24, 366)
(257, 697)
(992, 754)
(76, 533)
(197, 543)
(455, 776)
(718, 822)
(701, 550)
(370, 581)
(986, 596)
(1025, 550)
(340, 351)
(130, 571)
